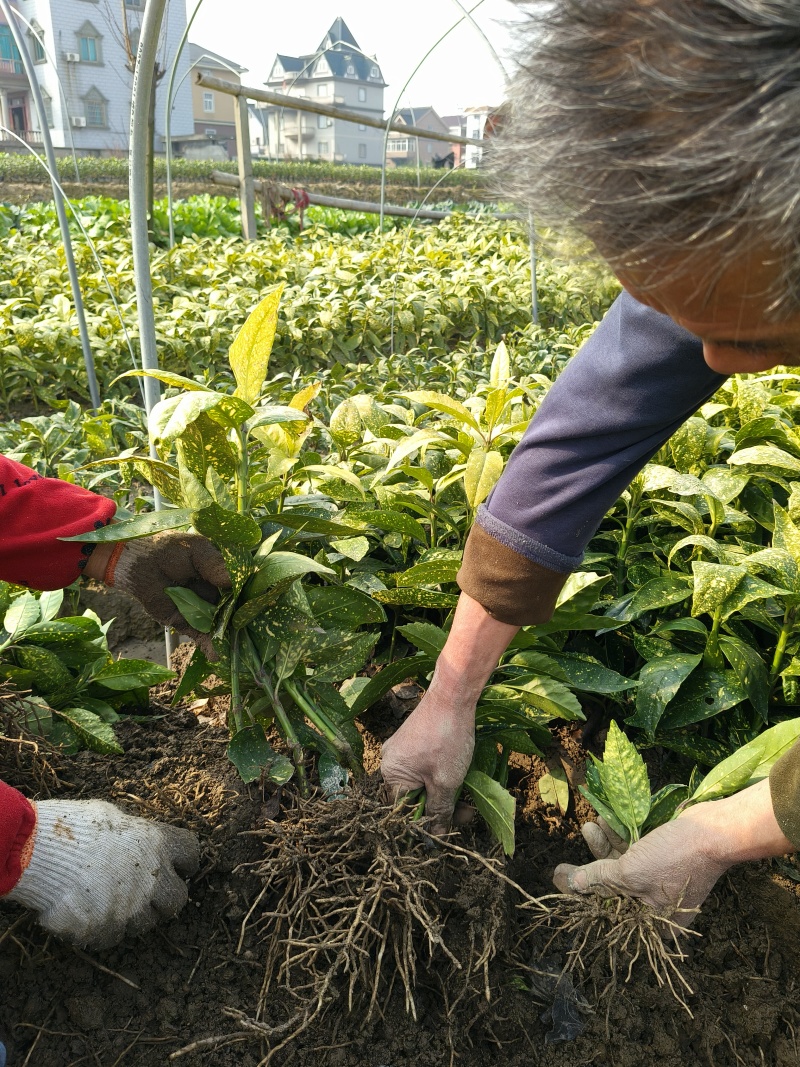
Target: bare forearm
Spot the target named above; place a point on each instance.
(472, 652)
(743, 827)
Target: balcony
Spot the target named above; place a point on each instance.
(31, 137)
(290, 131)
(12, 70)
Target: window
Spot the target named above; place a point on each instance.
(362, 95)
(362, 151)
(361, 127)
(96, 109)
(210, 133)
(397, 146)
(36, 34)
(10, 59)
(350, 72)
(374, 72)
(208, 102)
(322, 89)
(322, 148)
(323, 122)
(89, 44)
(134, 3)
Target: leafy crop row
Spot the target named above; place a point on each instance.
(19, 167)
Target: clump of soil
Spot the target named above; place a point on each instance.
(200, 978)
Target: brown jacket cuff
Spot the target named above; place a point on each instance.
(510, 587)
(784, 786)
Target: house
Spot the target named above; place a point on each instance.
(17, 113)
(457, 127)
(339, 74)
(214, 134)
(83, 53)
(412, 151)
(482, 122)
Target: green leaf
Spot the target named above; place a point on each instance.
(659, 681)
(92, 731)
(339, 473)
(392, 674)
(481, 474)
(279, 567)
(775, 743)
(657, 593)
(413, 596)
(140, 526)
(64, 632)
(786, 535)
(345, 424)
(24, 612)
(433, 572)
(440, 402)
(50, 604)
(747, 591)
(500, 370)
(751, 672)
(731, 775)
(343, 606)
(496, 805)
(713, 584)
(197, 670)
(227, 527)
(345, 658)
(177, 381)
(552, 697)
(197, 612)
(51, 674)
(625, 781)
(602, 807)
(252, 755)
(391, 522)
(126, 674)
(663, 805)
(554, 787)
(580, 593)
(353, 548)
(171, 417)
(295, 519)
(425, 636)
(274, 415)
(589, 675)
(249, 354)
(766, 456)
(707, 693)
(724, 484)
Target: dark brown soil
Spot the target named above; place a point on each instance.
(140, 1002)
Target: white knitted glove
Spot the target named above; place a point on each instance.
(96, 873)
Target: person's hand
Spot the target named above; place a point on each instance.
(672, 868)
(145, 568)
(96, 873)
(432, 750)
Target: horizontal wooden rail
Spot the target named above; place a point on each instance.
(300, 103)
(220, 177)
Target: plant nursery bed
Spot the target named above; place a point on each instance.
(267, 964)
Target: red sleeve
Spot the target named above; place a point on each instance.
(34, 513)
(17, 823)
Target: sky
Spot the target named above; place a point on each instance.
(461, 72)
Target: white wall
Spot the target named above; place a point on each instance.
(60, 20)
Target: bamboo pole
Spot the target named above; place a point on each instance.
(300, 103)
(245, 163)
(220, 177)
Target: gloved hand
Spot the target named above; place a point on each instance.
(432, 750)
(671, 867)
(96, 873)
(146, 567)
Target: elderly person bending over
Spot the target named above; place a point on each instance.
(667, 132)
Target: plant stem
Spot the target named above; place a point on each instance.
(236, 693)
(780, 648)
(285, 723)
(711, 656)
(323, 724)
(242, 474)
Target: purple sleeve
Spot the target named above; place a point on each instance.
(631, 386)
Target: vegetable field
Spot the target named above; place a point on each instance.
(336, 405)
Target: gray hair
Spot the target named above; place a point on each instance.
(661, 127)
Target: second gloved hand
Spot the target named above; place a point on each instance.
(146, 568)
(96, 873)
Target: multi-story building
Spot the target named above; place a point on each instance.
(339, 74)
(82, 50)
(15, 102)
(214, 134)
(412, 151)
